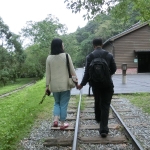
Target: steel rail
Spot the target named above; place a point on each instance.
(74, 146)
(129, 134)
(17, 89)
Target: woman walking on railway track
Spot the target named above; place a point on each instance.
(57, 81)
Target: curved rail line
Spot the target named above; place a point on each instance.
(18, 89)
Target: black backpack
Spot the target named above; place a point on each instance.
(99, 72)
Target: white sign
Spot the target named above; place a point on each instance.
(135, 60)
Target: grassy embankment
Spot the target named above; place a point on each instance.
(10, 86)
(19, 111)
(141, 100)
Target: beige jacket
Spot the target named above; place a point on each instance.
(57, 73)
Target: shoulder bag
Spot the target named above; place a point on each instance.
(71, 82)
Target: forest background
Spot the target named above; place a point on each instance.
(106, 18)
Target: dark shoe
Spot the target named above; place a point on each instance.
(55, 124)
(103, 135)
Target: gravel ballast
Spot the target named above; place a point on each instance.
(139, 126)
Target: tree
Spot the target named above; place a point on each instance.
(40, 34)
(79, 44)
(4, 65)
(70, 45)
(34, 65)
(44, 31)
(12, 56)
(94, 7)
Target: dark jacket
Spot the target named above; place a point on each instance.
(98, 52)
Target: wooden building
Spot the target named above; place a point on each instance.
(131, 47)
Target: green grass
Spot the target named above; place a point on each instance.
(10, 86)
(141, 100)
(77, 98)
(83, 102)
(19, 111)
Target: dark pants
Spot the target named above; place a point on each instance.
(102, 104)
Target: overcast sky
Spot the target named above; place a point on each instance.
(15, 13)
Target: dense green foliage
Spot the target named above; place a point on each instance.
(40, 35)
(19, 111)
(104, 26)
(11, 54)
(30, 60)
(122, 7)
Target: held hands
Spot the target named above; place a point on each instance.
(79, 87)
(75, 80)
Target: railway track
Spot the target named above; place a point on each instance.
(83, 134)
(18, 89)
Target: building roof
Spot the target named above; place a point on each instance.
(133, 28)
(141, 51)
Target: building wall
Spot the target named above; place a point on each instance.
(124, 46)
(109, 47)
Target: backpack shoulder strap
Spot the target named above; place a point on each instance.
(104, 54)
(91, 55)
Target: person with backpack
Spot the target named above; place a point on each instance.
(99, 68)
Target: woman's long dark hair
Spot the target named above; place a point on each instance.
(56, 46)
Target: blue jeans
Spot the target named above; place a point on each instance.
(61, 104)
